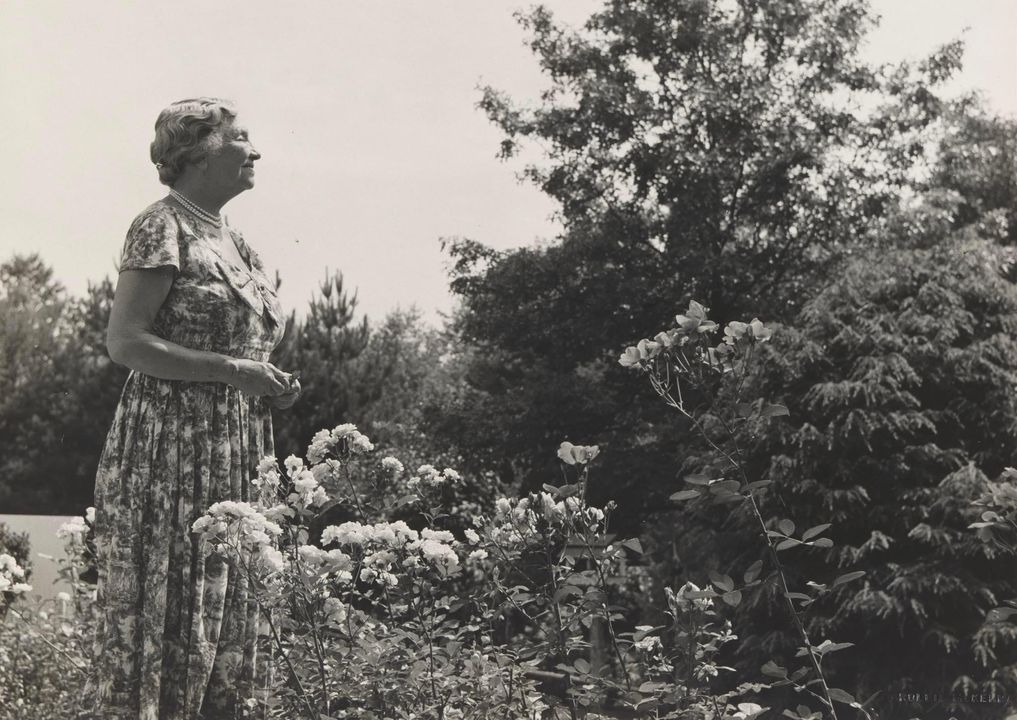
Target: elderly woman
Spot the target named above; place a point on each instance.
(194, 318)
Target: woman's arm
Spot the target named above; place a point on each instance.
(131, 342)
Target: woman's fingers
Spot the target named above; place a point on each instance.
(279, 374)
(277, 387)
(289, 397)
(278, 380)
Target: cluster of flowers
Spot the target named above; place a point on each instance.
(392, 465)
(341, 441)
(515, 522)
(689, 327)
(429, 476)
(12, 576)
(307, 491)
(75, 529)
(240, 525)
(382, 547)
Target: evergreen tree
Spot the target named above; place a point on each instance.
(322, 349)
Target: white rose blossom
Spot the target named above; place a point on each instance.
(252, 527)
(73, 530)
(273, 559)
(390, 464)
(293, 465)
(11, 575)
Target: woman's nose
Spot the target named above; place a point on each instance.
(255, 155)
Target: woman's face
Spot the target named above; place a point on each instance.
(231, 166)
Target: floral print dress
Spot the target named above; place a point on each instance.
(177, 626)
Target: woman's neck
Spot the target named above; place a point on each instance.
(204, 197)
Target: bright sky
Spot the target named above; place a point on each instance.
(364, 113)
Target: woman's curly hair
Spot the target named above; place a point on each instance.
(185, 132)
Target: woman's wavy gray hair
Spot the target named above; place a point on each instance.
(185, 132)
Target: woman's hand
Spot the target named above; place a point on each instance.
(258, 379)
(286, 400)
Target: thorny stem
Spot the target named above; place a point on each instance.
(430, 654)
(551, 567)
(584, 480)
(607, 615)
(266, 611)
(318, 645)
(791, 607)
(353, 491)
(289, 665)
(690, 668)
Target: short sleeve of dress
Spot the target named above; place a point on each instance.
(152, 242)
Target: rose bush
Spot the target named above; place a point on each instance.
(388, 593)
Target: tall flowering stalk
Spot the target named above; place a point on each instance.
(687, 368)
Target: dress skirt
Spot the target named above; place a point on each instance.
(177, 630)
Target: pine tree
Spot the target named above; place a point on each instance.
(322, 348)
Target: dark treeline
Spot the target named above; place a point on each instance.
(741, 154)
(59, 389)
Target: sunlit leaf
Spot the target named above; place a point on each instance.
(753, 571)
(772, 669)
(813, 531)
(774, 411)
(848, 577)
(732, 598)
(721, 581)
(842, 696)
(633, 544)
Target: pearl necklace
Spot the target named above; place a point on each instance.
(201, 214)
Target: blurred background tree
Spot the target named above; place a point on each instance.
(58, 389)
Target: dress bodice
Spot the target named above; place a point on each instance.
(214, 303)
